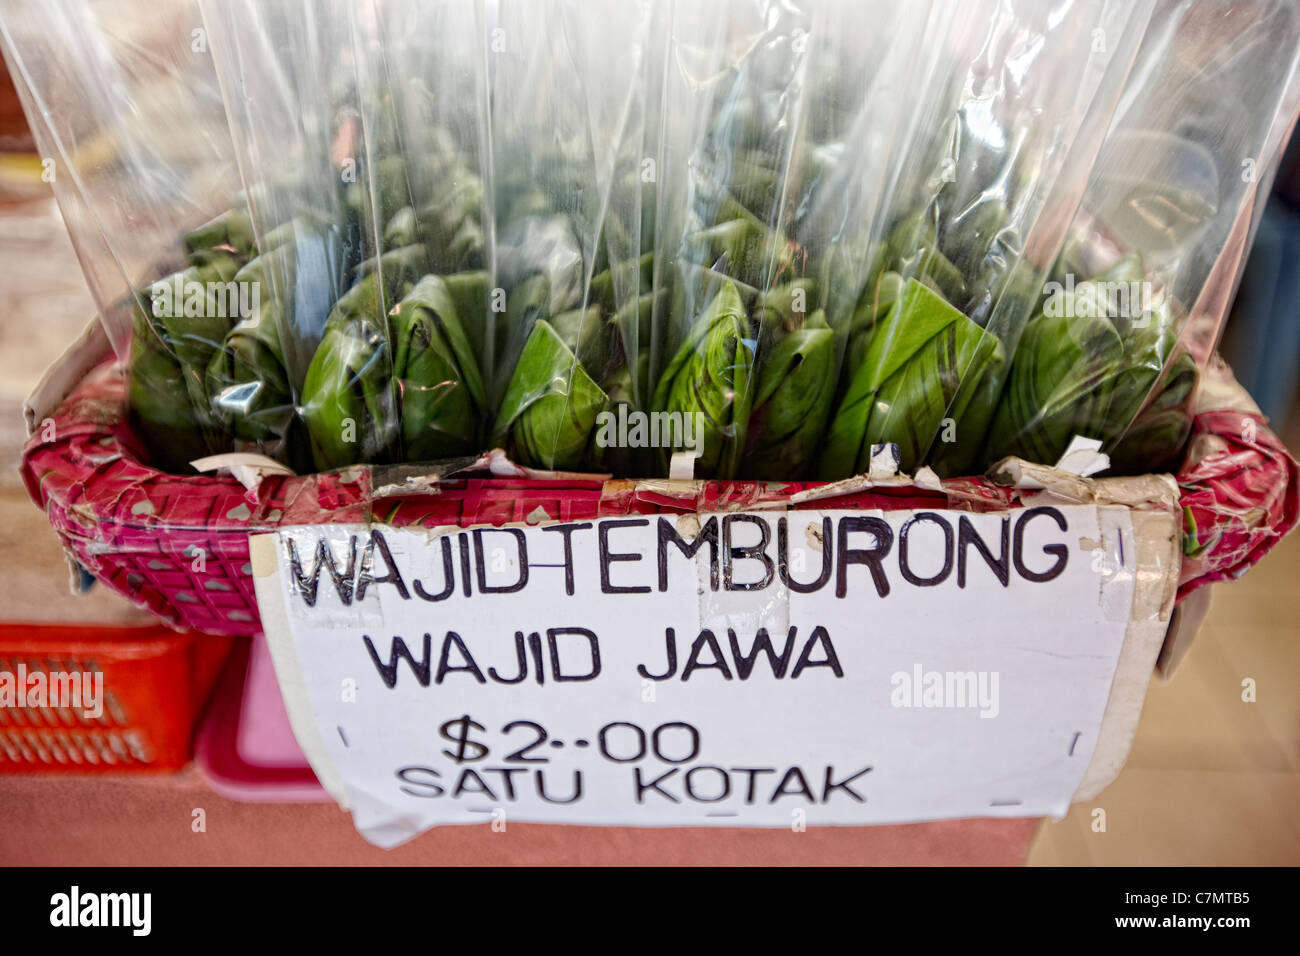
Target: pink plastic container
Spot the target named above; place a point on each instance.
(245, 748)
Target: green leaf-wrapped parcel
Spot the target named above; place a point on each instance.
(440, 390)
(1059, 386)
(1080, 370)
(586, 333)
(246, 378)
(711, 374)
(909, 381)
(621, 457)
(796, 385)
(179, 323)
(549, 411)
(191, 311)
(226, 241)
(1155, 441)
(911, 251)
(376, 198)
(162, 410)
(349, 401)
(753, 252)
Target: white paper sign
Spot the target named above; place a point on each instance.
(776, 668)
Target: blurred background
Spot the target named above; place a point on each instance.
(1211, 779)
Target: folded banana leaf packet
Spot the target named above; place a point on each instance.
(708, 381)
(175, 429)
(796, 385)
(179, 324)
(1097, 365)
(248, 385)
(913, 363)
(440, 390)
(549, 412)
(349, 397)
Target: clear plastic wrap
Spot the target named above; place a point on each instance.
(1005, 135)
(1137, 299)
(128, 120)
(423, 202)
(289, 73)
(767, 234)
(566, 130)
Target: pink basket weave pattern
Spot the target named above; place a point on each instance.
(178, 545)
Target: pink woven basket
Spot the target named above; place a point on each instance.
(178, 545)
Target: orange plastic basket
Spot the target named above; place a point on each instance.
(146, 690)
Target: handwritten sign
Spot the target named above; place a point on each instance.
(772, 668)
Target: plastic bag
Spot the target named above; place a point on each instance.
(1137, 300)
(128, 118)
(1004, 140)
(566, 259)
(303, 151)
(767, 235)
(424, 206)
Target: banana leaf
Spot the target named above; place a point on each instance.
(375, 200)
(785, 308)
(402, 229)
(469, 294)
(871, 309)
(745, 248)
(607, 285)
(247, 383)
(979, 244)
(452, 224)
(441, 392)
(526, 304)
(180, 323)
(409, 261)
(631, 324)
(226, 241)
(625, 292)
(1059, 386)
(163, 414)
(349, 401)
(1149, 330)
(756, 180)
(912, 250)
(549, 411)
(189, 314)
(618, 457)
(1086, 368)
(586, 333)
(796, 385)
(546, 246)
(914, 364)
(1155, 441)
(710, 374)
(958, 447)
(631, 330)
